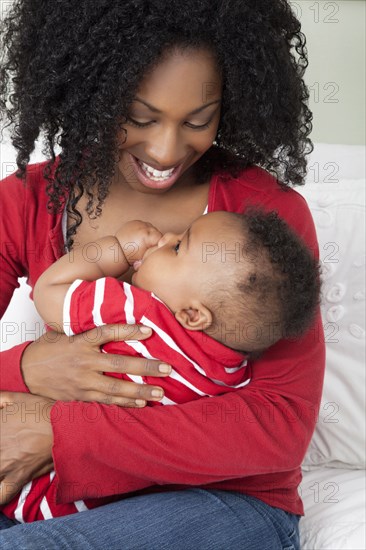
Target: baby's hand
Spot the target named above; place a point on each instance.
(136, 237)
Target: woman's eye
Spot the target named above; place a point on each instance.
(176, 248)
(198, 127)
(139, 124)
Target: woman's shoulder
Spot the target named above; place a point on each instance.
(27, 199)
(255, 187)
(29, 192)
(257, 182)
(33, 233)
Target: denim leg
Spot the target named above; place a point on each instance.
(177, 520)
(5, 522)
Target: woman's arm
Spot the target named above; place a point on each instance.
(260, 429)
(12, 266)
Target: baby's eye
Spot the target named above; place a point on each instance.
(176, 248)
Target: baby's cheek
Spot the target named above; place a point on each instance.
(139, 279)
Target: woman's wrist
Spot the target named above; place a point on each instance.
(29, 373)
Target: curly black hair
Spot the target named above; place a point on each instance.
(71, 70)
(280, 291)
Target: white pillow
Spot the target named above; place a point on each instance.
(21, 321)
(330, 163)
(338, 209)
(334, 502)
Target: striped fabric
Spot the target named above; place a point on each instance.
(202, 367)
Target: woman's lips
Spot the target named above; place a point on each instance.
(152, 184)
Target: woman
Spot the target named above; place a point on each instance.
(161, 110)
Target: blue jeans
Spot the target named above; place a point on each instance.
(179, 520)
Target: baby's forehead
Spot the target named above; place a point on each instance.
(219, 239)
(218, 224)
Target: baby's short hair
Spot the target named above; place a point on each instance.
(277, 293)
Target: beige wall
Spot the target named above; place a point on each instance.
(335, 34)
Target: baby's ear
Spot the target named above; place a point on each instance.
(195, 318)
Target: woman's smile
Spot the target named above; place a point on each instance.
(170, 124)
(153, 178)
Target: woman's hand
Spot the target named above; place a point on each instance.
(69, 369)
(26, 441)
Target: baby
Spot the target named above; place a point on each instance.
(216, 296)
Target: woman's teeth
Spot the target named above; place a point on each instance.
(155, 175)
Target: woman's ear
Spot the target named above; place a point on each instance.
(195, 318)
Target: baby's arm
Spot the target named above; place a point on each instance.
(106, 257)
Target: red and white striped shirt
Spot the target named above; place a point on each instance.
(201, 367)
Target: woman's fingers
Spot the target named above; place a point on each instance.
(114, 333)
(69, 369)
(138, 366)
(10, 399)
(110, 387)
(26, 441)
(13, 482)
(9, 487)
(95, 398)
(6, 398)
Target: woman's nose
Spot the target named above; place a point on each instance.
(166, 149)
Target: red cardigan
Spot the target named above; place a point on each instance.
(252, 440)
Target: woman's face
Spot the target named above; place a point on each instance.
(172, 121)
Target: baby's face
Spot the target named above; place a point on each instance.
(180, 268)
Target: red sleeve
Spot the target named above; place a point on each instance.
(12, 205)
(263, 428)
(78, 307)
(10, 374)
(89, 304)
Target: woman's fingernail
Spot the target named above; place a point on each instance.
(145, 330)
(157, 393)
(164, 368)
(140, 402)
